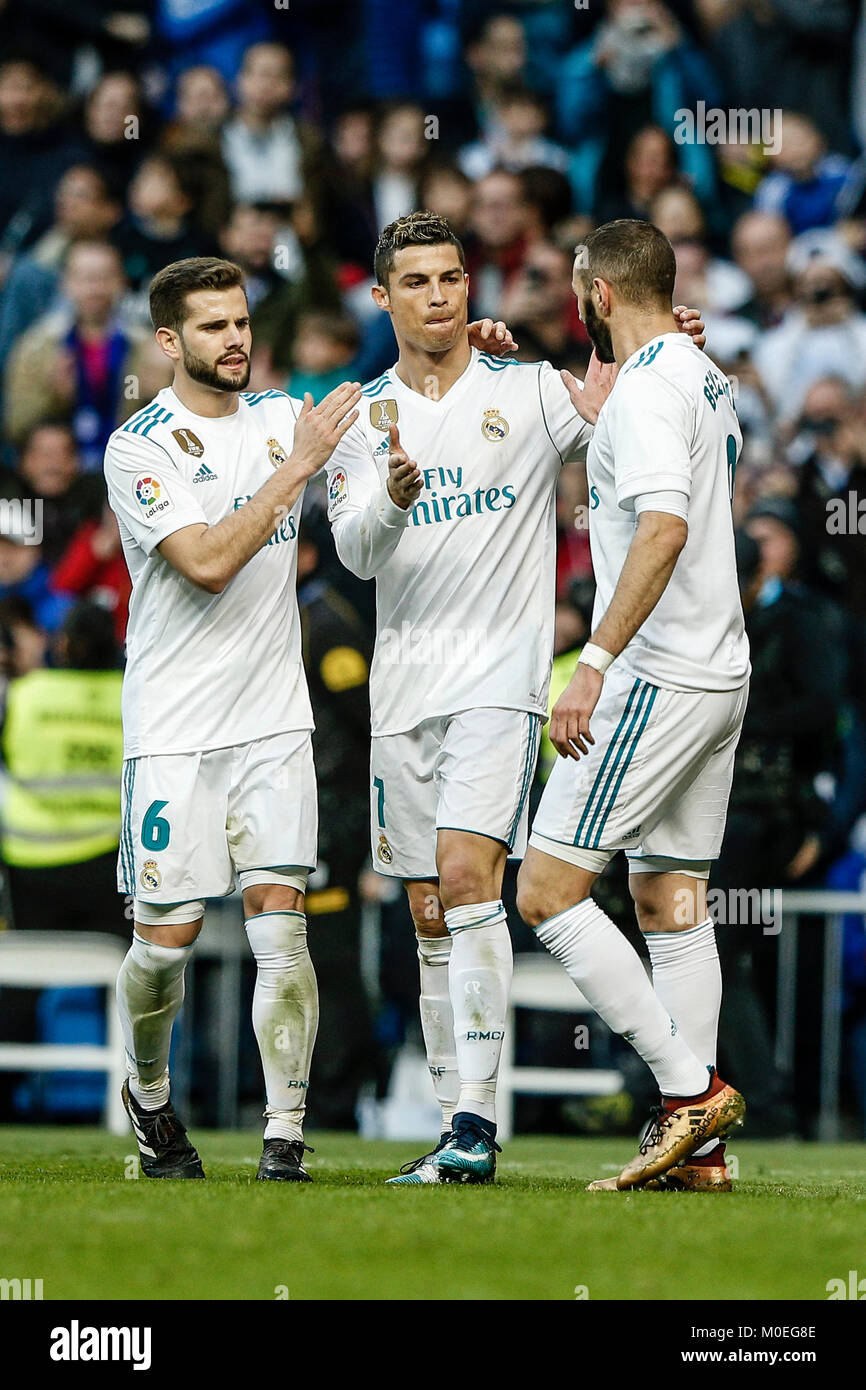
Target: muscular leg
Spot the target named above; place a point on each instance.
(554, 897)
(285, 1002)
(149, 994)
(470, 881)
(437, 1018)
(681, 940)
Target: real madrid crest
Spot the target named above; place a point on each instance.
(494, 426)
(383, 414)
(384, 851)
(276, 453)
(150, 877)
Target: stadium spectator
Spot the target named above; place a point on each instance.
(60, 842)
(823, 332)
(784, 53)
(807, 186)
(23, 643)
(399, 153)
(496, 57)
(324, 349)
(649, 167)
(92, 567)
(723, 288)
(159, 226)
(638, 66)
(445, 189)
(516, 140)
(760, 242)
(75, 363)
(269, 154)
(116, 129)
(36, 147)
(201, 109)
(347, 196)
(250, 240)
(540, 308)
(498, 238)
(831, 484)
(48, 475)
(24, 575)
(84, 210)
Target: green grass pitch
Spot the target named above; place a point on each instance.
(70, 1216)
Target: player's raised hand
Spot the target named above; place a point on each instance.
(319, 428)
(690, 322)
(597, 386)
(495, 338)
(404, 476)
(569, 723)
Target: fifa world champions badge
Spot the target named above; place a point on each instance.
(383, 414)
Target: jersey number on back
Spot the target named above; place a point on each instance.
(731, 447)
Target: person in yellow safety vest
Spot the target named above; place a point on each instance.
(62, 753)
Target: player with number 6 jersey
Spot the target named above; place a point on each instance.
(218, 782)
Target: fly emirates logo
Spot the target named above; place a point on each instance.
(439, 502)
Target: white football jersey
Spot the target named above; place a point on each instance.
(466, 578)
(669, 424)
(206, 670)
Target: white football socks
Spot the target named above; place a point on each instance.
(149, 994)
(609, 974)
(285, 1017)
(437, 1022)
(687, 978)
(479, 980)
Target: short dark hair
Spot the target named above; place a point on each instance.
(171, 285)
(415, 229)
(634, 257)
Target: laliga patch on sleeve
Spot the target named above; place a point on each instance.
(338, 490)
(152, 497)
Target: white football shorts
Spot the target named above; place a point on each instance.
(468, 771)
(655, 783)
(191, 821)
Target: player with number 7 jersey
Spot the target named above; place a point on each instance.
(445, 491)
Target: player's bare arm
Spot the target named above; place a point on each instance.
(659, 537)
(210, 556)
(404, 476)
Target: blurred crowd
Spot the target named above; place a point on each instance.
(286, 136)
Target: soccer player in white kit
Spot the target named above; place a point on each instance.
(218, 784)
(462, 546)
(649, 724)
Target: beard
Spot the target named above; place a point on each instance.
(599, 333)
(207, 374)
